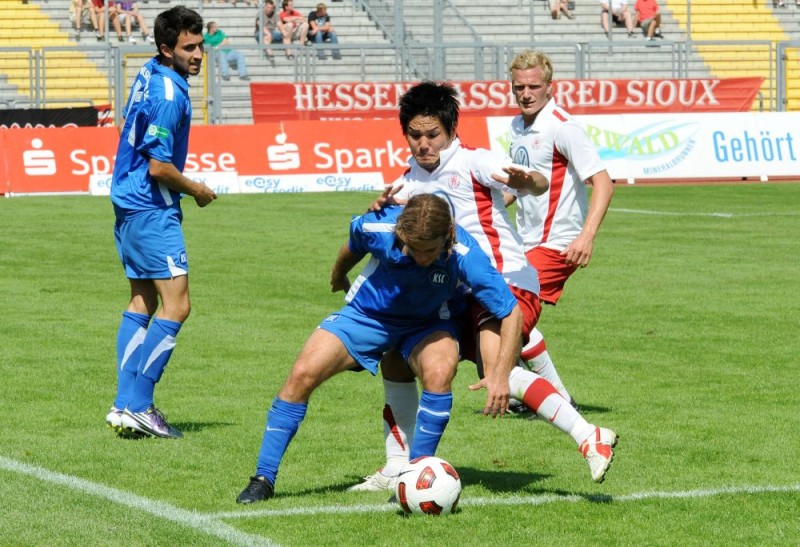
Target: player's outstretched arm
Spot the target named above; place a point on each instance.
(522, 179)
(168, 175)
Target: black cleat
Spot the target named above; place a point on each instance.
(259, 489)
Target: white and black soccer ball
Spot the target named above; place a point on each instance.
(428, 485)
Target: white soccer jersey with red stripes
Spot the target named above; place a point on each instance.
(464, 179)
(559, 148)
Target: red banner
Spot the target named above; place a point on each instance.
(331, 101)
(283, 155)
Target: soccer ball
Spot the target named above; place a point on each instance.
(428, 485)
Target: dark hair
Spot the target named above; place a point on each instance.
(171, 23)
(424, 218)
(436, 99)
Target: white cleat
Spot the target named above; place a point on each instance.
(598, 452)
(378, 482)
(114, 418)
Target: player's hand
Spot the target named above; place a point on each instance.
(497, 398)
(523, 180)
(203, 195)
(579, 252)
(339, 283)
(387, 198)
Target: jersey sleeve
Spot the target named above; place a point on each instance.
(158, 141)
(573, 142)
(373, 232)
(486, 163)
(405, 191)
(358, 242)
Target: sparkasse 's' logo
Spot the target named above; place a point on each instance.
(283, 156)
(39, 162)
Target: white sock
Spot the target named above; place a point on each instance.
(542, 397)
(538, 360)
(399, 420)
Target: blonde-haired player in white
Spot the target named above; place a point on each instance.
(473, 182)
(558, 227)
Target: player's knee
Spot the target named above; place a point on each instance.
(438, 379)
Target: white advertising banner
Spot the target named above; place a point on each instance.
(688, 146)
(331, 182)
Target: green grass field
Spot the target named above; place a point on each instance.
(681, 335)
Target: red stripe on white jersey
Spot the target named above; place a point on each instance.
(483, 202)
(556, 185)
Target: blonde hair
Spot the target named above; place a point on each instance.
(531, 58)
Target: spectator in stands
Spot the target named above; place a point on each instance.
(320, 31)
(226, 57)
(649, 17)
(293, 26)
(128, 12)
(272, 32)
(559, 6)
(248, 2)
(620, 14)
(103, 14)
(77, 9)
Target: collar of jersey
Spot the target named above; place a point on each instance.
(546, 110)
(446, 154)
(158, 68)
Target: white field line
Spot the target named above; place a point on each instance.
(209, 523)
(206, 524)
(686, 214)
(513, 500)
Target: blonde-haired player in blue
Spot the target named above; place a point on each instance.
(146, 190)
(407, 298)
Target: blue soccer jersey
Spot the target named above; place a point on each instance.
(158, 115)
(394, 288)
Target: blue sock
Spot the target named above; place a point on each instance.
(432, 418)
(283, 421)
(131, 334)
(156, 351)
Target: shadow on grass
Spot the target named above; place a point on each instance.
(527, 414)
(592, 497)
(194, 427)
(494, 481)
(499, 481)
(593, 409)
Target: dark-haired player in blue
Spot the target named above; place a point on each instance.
(409, 298)
(146, 190)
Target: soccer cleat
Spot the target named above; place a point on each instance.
(518, 408)
(150, 422)
(114, 418)
(598, 452)
(376, 482)
(259, 489)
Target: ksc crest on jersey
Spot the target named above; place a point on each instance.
(439, 278)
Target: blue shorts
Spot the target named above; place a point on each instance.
(150, 243)
(367, 339)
